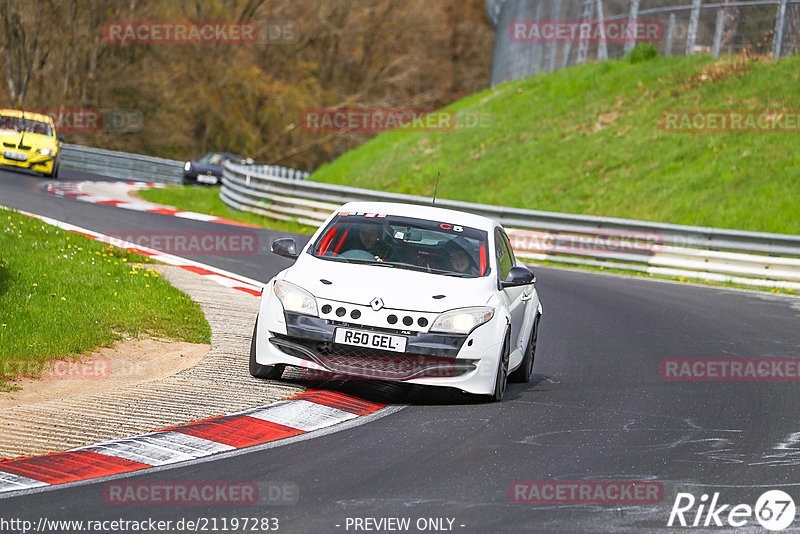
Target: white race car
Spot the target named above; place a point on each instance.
(401, 292)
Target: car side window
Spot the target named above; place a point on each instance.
(505, 259)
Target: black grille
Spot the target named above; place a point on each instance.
(369, 363)
(317, 336)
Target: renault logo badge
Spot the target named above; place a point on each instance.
(376, 304)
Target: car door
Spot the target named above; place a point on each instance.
(515, 297)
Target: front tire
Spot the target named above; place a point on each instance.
(501, 378)
(54, 174)
(525, 369)
(272, 372)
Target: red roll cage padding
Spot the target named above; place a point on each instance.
(323, 247)
(341, 240)
(483, 260)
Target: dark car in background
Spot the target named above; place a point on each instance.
(208, 169)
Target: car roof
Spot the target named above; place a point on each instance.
(16, 113)
(225, 155)
(415, 211)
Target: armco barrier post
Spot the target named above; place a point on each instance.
(777, 36)
(694, 20)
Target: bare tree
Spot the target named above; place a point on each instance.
(246, 98)
(22, 50)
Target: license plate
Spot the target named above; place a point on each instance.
(16, 156)
(371, 340)
(203, 179)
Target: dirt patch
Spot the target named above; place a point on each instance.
(719, 70)
(129, 362)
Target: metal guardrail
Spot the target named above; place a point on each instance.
(140, 167)
(121, 164)
(667, 249)
(579, 239)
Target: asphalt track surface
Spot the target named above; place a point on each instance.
(597, 409)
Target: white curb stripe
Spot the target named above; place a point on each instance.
(95, 192)
(160, 448)
(11, 482)
(140, 449)
(135, 206)
(301, 414)
(185, 443)
(196, 216)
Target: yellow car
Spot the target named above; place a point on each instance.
(29, 142)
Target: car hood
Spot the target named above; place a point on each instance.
(398, 288)
(31, 139)
(206, 167)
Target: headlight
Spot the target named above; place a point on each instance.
(45, 151)
(295, 299)
(187, 166)
(462, 321)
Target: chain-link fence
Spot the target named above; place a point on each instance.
(545, 35)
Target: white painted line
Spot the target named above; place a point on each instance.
(717, 277)
(301, 414)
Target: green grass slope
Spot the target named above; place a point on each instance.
(588, 140)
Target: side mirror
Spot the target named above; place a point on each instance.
(286, 247)
(60, 138)
(519, 276)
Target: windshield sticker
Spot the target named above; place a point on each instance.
(363, 214)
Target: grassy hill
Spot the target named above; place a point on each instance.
(588, 140)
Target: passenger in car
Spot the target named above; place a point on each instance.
(461, 262)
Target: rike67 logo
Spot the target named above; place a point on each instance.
(774, 510)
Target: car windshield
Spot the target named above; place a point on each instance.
(438, 247)
(216, 158)
(25, 125)
(212, 159)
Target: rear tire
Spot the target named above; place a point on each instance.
(501, 378)
(525, 369)
(272, 372)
